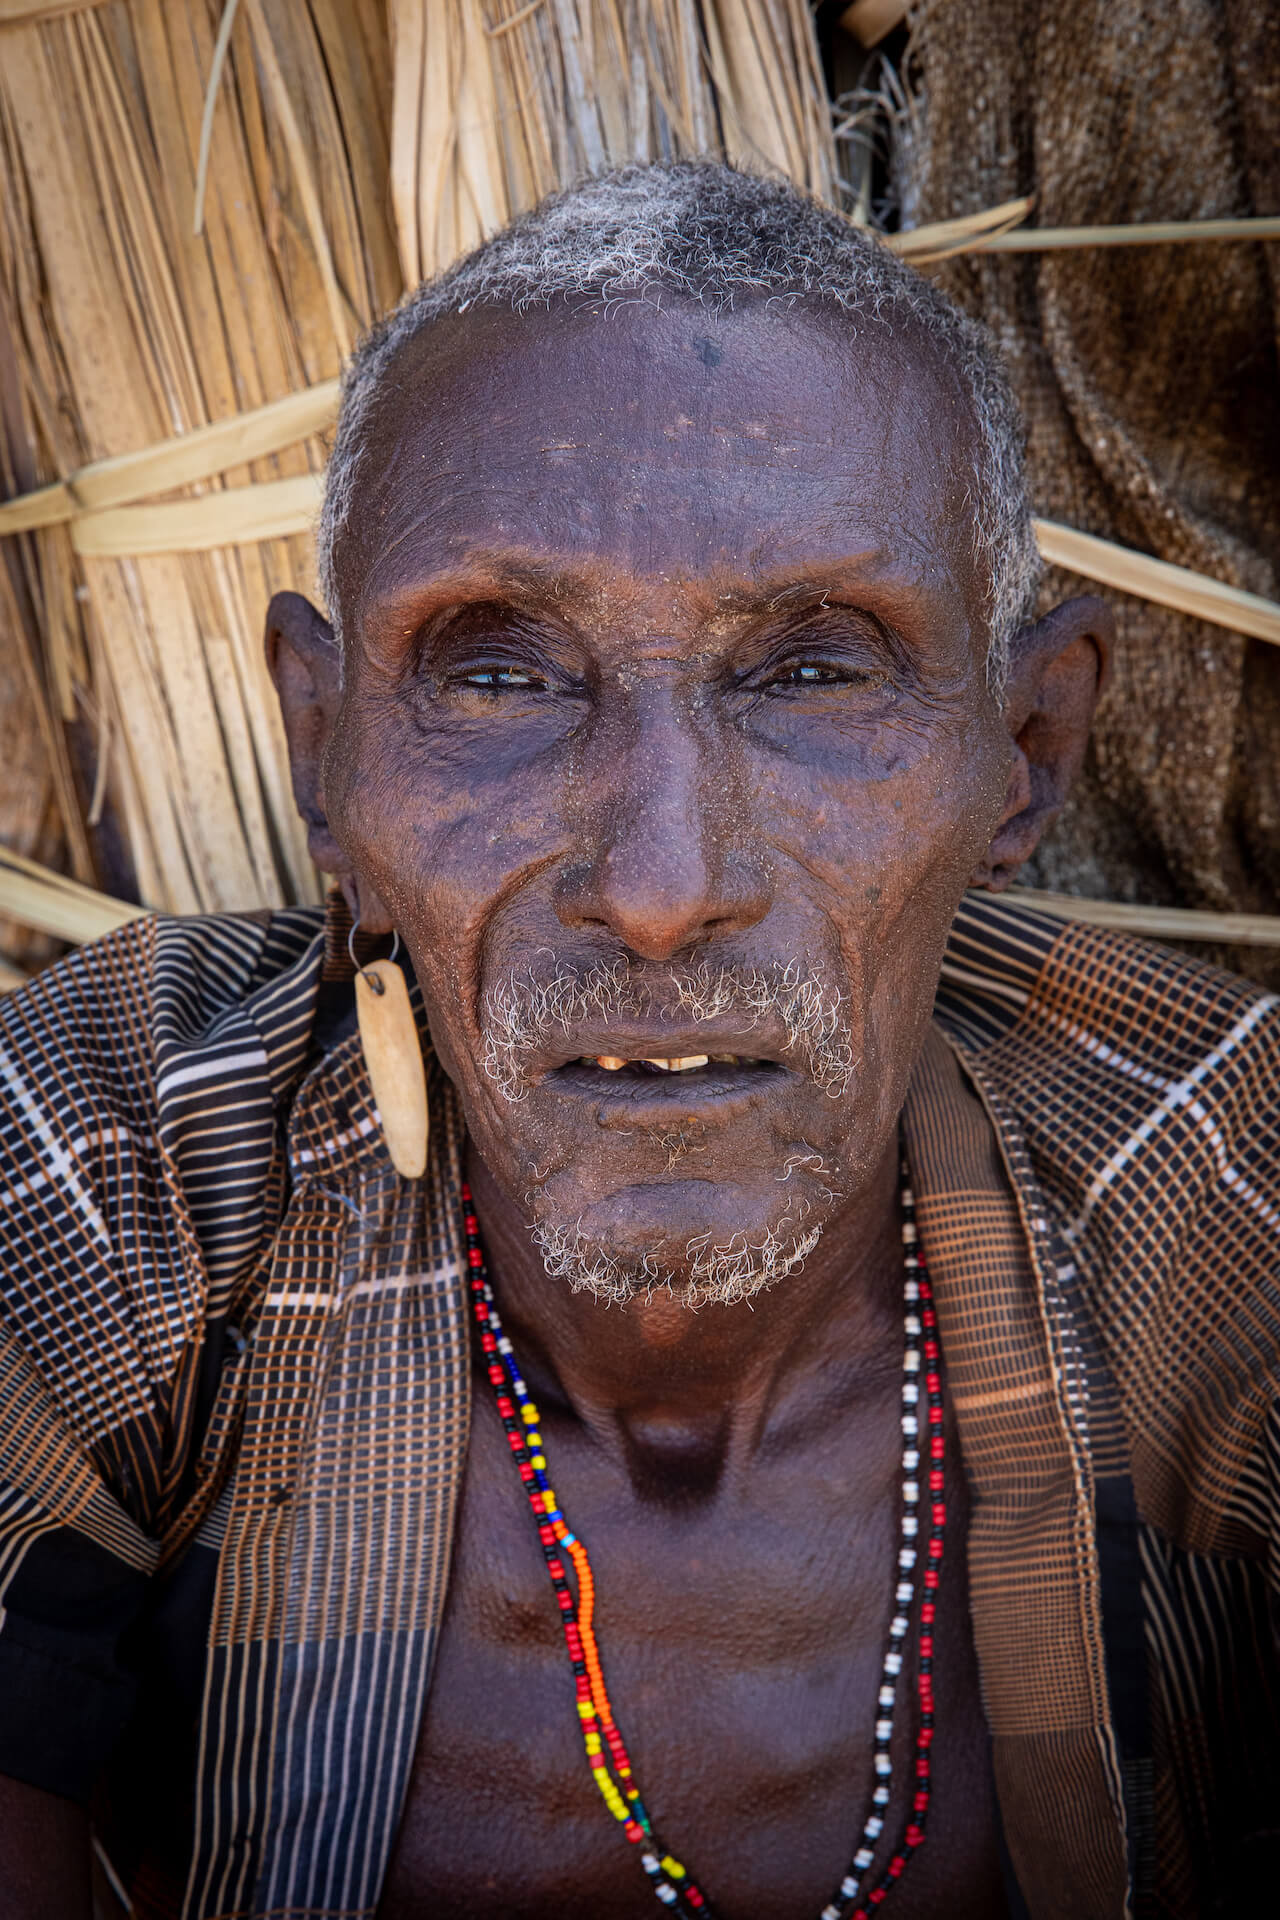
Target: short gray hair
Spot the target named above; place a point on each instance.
(708, 233)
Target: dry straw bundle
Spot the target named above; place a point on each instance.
(496, 104)
(128, 328)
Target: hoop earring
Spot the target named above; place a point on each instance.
(393, 1059)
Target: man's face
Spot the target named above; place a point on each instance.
(665, 734)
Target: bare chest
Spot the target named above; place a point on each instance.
(742, 1645)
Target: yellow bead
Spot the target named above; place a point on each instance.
(539, 1461)
(586, 1710)
(592, 1743)
(672, 1867)
(530, 1414)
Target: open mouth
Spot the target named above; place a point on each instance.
(661, 1078)
(682, 1063)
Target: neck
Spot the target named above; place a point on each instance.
(683, 1389)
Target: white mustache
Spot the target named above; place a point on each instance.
(522, 1015)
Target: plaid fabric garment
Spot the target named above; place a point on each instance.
(234, 1388)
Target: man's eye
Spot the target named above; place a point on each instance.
(819, 673)
(809, 676)
(499, 679)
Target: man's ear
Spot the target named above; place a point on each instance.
(304, 662)
(1058, 668)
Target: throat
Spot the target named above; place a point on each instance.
(675, 1460)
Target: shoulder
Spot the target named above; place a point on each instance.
(1137, 1094)
(1051, 1007)
(139, 1084)
(95, 1029)
(1136, 1075)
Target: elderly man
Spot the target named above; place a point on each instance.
(815, 1399)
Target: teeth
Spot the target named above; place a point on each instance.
(682, 1063)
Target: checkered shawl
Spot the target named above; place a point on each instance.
(229, 1329)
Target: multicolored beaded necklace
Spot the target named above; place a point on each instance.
(605, 1748)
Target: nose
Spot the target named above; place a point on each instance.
(667, 861)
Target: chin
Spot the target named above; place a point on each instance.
(698, 1242)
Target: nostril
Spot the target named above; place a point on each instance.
(661, 905)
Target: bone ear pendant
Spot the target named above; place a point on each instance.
(393, 1056)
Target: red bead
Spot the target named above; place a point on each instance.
(690, 1896)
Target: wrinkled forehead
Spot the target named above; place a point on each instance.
(662, 441)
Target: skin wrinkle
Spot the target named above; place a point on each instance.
(666, 717)
(712, 239)
(667, 803)
(467, 368)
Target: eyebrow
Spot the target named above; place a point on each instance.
(502, 575)
(487, 577)
(780, 595)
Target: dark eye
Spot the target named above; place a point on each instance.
(808, 675)
(500, 679)
(824, 673)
